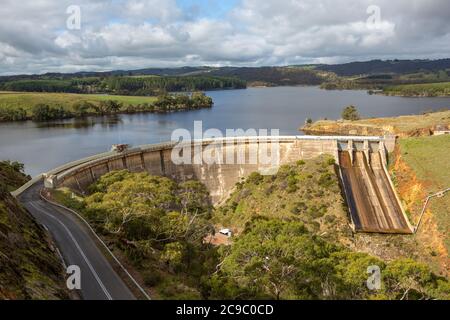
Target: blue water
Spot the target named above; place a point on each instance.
(43, 146)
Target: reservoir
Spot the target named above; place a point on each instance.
(43, 146)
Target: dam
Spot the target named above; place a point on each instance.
(373, 204)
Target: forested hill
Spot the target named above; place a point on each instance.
(125, 85)
(389, 66)
(153, 81)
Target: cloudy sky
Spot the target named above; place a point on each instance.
(38, 36)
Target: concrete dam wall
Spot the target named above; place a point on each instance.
(233, 163)
(219, 177)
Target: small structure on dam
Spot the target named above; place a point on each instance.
(372, 201)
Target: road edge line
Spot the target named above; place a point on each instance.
(99, 239)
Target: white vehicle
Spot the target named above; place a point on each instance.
(226, 232)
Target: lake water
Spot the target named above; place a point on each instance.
(43, 146)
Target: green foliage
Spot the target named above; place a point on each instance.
(51, 106)
(29, 267)
(157, 85)
(305, 192)
(411, 280)
(326, 180)
(169, 102)
(163, 223)
(255, 178)
(350, 113)
(420, 90)
(292, 184)
(44, 112)
(416, 153)
(82, 108)
(151, 278)
(140, 86)
(266, 260)
(331, 162)
(159, 225)
(279, 259)
(12, 175)
(173, 254)
(18, 114)
(39, 86)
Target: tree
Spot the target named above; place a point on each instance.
(134, 204)
(13, 114)
(348, 276)
(200, 100)
(195, 197)
(173, 254)
(406, 279)
(273, 259)
(41, 112)
(350, 113)
(82, 108)
(44, 112)
(144, 207)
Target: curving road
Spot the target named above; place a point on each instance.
(99, 281)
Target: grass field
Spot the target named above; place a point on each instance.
(26, 100)
(429, 158)
(424, 89)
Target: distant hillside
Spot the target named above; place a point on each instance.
(29, 266)
(138, 85)
(373, 74)
(278, 76)
(389, 66)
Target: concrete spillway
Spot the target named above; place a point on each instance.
(372, 202)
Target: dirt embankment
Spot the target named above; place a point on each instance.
(430, 241)
(30, 267)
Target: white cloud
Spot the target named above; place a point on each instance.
(142, 33)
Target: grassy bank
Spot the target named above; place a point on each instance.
(50, 106)
(27, 100)
(402, 126)
(428, 158)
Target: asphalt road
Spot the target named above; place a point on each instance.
(99, 281)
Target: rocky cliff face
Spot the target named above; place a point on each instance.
(29, 265)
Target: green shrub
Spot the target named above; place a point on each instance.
(331, 162)
(350, 113)
(152, 278)
(255, 178)
(326, 180)
(292, 184)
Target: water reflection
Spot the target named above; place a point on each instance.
(108, 121)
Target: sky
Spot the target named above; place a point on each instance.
(39, 36)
